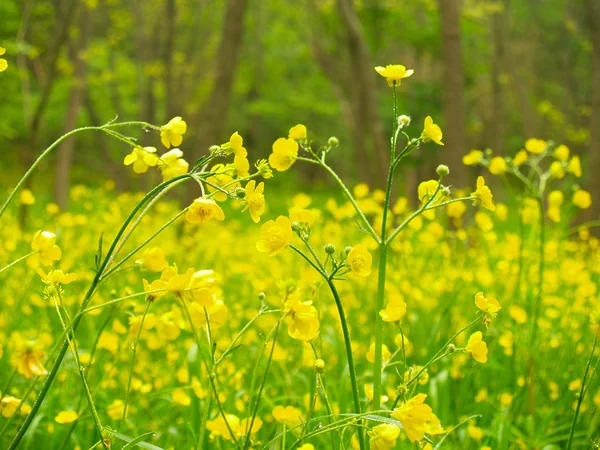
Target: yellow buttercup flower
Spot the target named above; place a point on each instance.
(431, 132)
(303, 216)
(285, 152)
(472, 158)
(520, 158)
(490, 306)
(153, 259)
(394, 73)
(29, 363)
(498, 165)
(561, 153)
(557, 170)
(65, 417)
(242, 166)
(56, 277)
(171, 164)
(221, 178)
(171, 134)
(383, 437)
(394, 311)
(236, 144)
(484, 195)
(44, 242)
(414, 415)
(582, 199)
(360, 260)
(287, 415)
(255, 200)
(142, 159)
(275, 235)
(430, 191)
(297, 132)
(204, 209)
(535, 146)
(575, 166)
(477, 348)
(27, 197)
(9, 406)
(3, 62)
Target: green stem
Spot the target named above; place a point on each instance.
(131, 366)
(18, 261)
(581, 394)
(37, 162)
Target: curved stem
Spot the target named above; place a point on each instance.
(18, 260)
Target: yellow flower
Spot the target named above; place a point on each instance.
(9, 406)
(298, 132)
(561, 153)
(204, 209)
(242, 166)
(285, 152)
(255, 200)
(518, 314)
(172, 133)
(394, 73)
(29, 363)
(44, 242)
(115, 409)
(65, 417)
(153, 259)
(498, 165)
(219, 428)
(484, 194)
(287, 415)
(180, 397)
(490, 306)
(306, 447)
(472, 158)
(582, 199)
(535, 146)
(302, 319)
(557, 170)
(303, 216)
(477, 348)
(141, 158)
(431, 132)
(414, 415)
(171, 164)
(360, 260)
(3, 62)
(56, 277)
(575, 166)
(236, 144)
(221, 178)
(394, 311)
(427, 190)
(275, 235)
(27, 197)
(520, 158)
(383, 437)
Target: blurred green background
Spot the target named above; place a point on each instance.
(491, 73)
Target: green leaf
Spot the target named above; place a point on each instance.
(131, 441)
(139, 439)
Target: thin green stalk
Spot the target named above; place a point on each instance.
(261, 388)
(76, 321)
(581, 394)
(131, 366)
(16, 261)
(37, 162)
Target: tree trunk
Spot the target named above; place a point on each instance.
(593, 185)
(65, 151)
(453, 83)
(213, 117)
(365, 103)
(497, 117)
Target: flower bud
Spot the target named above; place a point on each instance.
(296, 226)
(329, 249)
(214, 148)
(319, 366)
(347, 250)
(402, 389)
(262, 296)
(403, 121)
(333, 141)
(442, 170)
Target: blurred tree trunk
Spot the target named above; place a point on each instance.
(64, 160)
(170, 16)
(453, 84)
(29, 153)
(212, 122)
(367, 120)
(593, 10)
(496, 125)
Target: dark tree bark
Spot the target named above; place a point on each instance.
(64, 160)
(453, 83)
(593, 9)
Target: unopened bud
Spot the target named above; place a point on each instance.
(333, 141)
(296, 226)
(442, 170)
(319, 366)
(262, 296)
(403, 121)
(402, 389)
(329, 249)
(214, 148)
